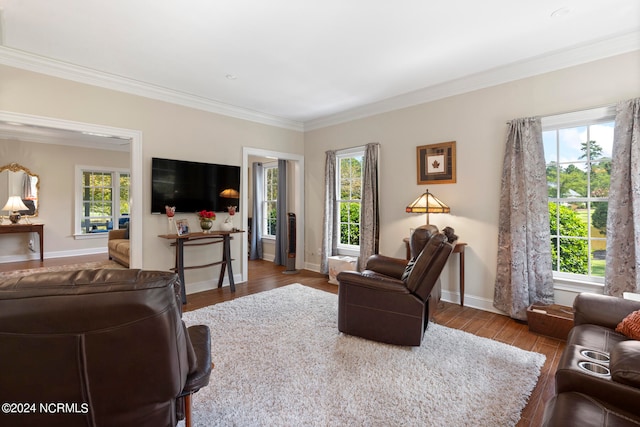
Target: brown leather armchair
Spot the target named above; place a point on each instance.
(98, 348)
(389, 300)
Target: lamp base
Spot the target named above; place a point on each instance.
(14, 217)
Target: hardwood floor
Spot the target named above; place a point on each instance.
(264, 275)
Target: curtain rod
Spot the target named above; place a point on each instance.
(355, 147)
(600, 107)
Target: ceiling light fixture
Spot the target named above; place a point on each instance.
(560, 12)
(231, 77)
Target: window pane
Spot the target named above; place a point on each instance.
(600, 177)
(573, 180)
(571, 142)
(573, 256)
(598, 216)
(573, 220)
(550, 146)
(601, 139)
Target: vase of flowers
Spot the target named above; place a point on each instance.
(170, 211)
(206, 220)
(227, 225)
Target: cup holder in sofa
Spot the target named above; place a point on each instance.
(597, 356)
(595, 368)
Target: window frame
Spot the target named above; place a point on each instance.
(79, 217)
(343, 248)
(575, 282)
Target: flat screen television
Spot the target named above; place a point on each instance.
(193, 186)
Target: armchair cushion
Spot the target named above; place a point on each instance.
(387, 266)
(625, 363)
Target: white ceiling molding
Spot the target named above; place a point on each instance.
(39, 64)
(580, 54)
(534, 66)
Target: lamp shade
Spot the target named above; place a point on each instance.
(427, 203)
(230, 193)
(15, 204)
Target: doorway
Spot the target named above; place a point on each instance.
(297, 162)
(108, 133)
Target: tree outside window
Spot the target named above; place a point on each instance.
(105, 200)
(270, 213)
(349, 170)
(578, 174)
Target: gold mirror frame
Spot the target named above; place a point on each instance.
(16, 167)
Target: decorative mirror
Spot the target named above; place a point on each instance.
(16, 180)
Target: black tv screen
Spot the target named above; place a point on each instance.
(193, 186)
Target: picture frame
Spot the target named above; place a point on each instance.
(436, 163)
(182, 227)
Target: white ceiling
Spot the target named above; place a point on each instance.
(307, 63)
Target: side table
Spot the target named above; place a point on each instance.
(458, 249)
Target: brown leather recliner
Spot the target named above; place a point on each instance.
(98, 348)
(389, 301)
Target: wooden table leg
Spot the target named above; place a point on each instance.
(462, 277)
(41, 234)
(226, 263)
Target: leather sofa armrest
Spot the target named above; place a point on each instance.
(602, 310)
(200, 359)
(392, 267)
(372, 280)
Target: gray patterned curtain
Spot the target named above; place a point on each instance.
(369, 212)
(330, 226)
(255, 251)
(623, 217)
(524, 273)
(281, 221)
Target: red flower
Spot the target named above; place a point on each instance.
(207, 214)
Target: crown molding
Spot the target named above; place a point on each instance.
(553, 61)
(565, 58)
(39, 64)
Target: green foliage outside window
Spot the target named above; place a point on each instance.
(350, 187)
(574, 252)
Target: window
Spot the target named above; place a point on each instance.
(103, 200)
(578, 163)
(270, 204)
(349, 170)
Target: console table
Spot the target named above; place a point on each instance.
(26, 228)
(458, 249)
(200, 239)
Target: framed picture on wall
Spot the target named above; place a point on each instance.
(437, 163)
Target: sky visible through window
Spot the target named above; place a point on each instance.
(570, 140)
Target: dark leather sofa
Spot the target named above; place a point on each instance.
(388, 301)
(108, 345)
(610, 396)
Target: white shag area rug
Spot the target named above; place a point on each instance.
(281, 361)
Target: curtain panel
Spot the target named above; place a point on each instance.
(281, 221)
(524, 271)
(369, 210)
(623, 216)
(255, 252)
(330, 217)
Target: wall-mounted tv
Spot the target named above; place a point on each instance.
(193, 186)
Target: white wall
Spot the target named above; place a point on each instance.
(476, 121)
(168, 130)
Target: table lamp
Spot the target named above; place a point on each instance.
(427, 203)
(15, 204)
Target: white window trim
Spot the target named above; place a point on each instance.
(78, 235)
(343, 249)
(566, 281)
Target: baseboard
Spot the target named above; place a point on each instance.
(208, 285)
(470, 301)
(50, 255)
(312, 267)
